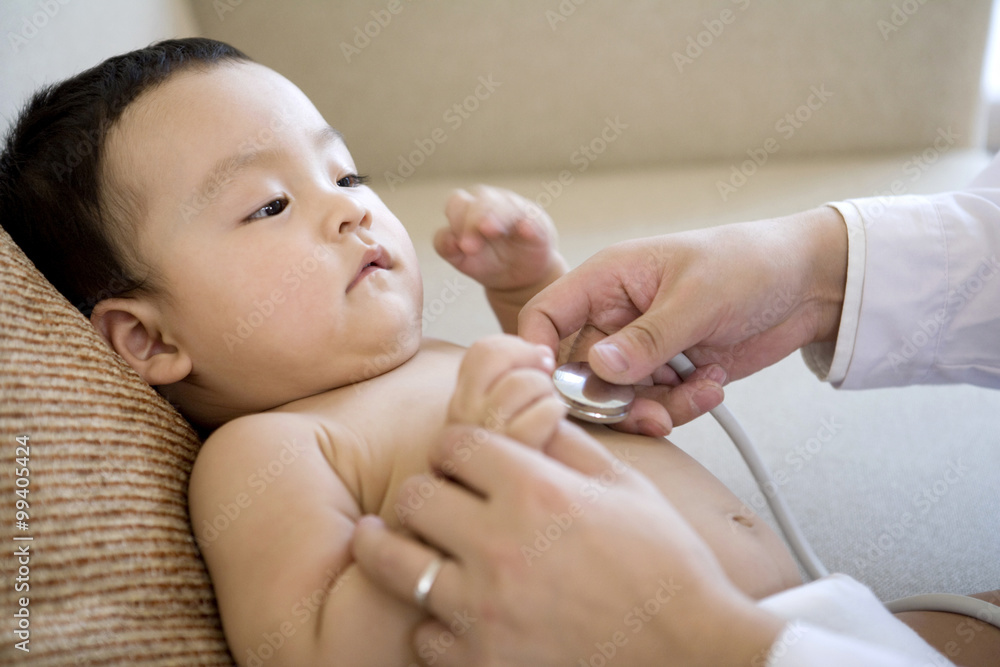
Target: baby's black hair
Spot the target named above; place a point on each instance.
(51, 199)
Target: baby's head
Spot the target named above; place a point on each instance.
(212, 224)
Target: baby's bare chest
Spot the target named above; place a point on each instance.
(380, 431)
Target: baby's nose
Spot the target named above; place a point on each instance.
(352, 214)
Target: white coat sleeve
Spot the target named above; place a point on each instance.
(922, 304)
(838, 621)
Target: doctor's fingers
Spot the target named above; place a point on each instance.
(396, 563)
(444, 514)
(660, 407)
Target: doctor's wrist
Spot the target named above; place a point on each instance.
(824, 270)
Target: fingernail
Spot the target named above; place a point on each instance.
(717, 374)
(652, 429)
(372, 521)
(547, 358)
(491, 225)
(612, 357)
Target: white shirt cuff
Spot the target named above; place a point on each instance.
(830, 361)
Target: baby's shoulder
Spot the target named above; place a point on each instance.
(257, 445)
(259, 432)
(285, 454)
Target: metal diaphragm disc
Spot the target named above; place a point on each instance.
(590, 398)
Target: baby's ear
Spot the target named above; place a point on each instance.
(131, 327)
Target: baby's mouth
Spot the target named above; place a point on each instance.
(374, 259)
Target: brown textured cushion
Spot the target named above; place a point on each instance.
(115, 577)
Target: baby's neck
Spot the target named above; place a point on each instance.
(206, 411)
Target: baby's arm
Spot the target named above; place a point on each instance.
(504, 242)
(274, 523)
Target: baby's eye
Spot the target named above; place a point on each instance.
(352, 181)
(270, 209)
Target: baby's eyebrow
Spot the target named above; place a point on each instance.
(326, 135)
(225, 170)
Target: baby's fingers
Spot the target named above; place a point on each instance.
(457, 207)
(463, 222)
(536, 425)
(446, 245)
(484, 365)
(496, 212)
(523, 405)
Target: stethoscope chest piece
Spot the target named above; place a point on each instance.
(590, 398)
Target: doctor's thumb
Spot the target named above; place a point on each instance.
(632, 353)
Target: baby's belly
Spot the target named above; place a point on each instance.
(753, 555)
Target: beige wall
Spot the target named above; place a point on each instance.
(897, 72)
(559, 71)
(43, 41)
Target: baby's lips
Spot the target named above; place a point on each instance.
(375, 256)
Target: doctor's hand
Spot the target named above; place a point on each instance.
(734, 298)
(538, 572)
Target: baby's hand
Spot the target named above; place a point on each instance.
(500, 239)
(505, 385)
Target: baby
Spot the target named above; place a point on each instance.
(211, 183)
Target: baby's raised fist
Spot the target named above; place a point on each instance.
(498, 238)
